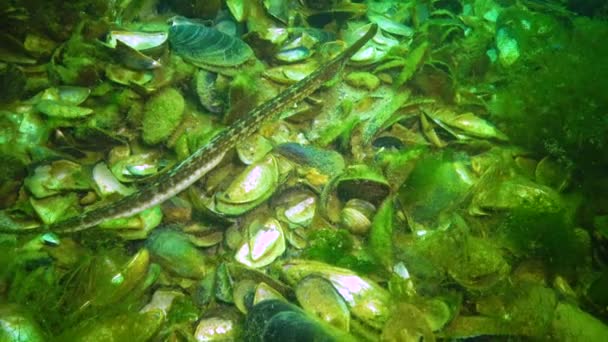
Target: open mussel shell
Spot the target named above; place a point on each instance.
(374, 50)
(296, 207)
(63, 101)
(361, 181)
(249, 189)
(366, 300)
(204, 46)
(297, 49)
(71, 95)
(134, 59)
(130, 168)
(292, 55)
(149, 43)
(266, 242)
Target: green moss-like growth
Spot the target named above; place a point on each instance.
(548, 236)
(555, 99)
(329, 245)
(162, 114)
(335, 247)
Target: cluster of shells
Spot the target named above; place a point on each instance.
(362, 214)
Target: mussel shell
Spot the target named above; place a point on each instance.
(71, 95)
(360, 181)
(295, 54)
(318, 297)
(388, 142)
(252, 187)
(390, 26)
(515, 192)
(140, 41)
(367, 300)
(296, 207)
(44, 181)
(439, 181)
(201, 46)
(62, 110)
(216, 329)
(275, 320)
(175, 253)
(253, 149)
(209, 97)
(278, 9)
(264, 292)
(356, 216)
(126, 76)
(265, 244)
(106, 183)
(134, 59)
(327, 161)
(474, 126)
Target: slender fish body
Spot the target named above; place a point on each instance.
(207, 157)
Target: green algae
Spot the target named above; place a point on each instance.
(162, 114)
(555, 99)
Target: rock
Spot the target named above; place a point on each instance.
(162, 114)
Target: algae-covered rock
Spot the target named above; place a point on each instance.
(162, 114)
(365, 80)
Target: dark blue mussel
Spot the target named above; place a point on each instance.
(207, 46)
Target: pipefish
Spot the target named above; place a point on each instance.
(207, 157)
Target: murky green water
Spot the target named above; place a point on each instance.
(447, 183)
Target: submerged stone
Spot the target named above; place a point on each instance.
(162, 114)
